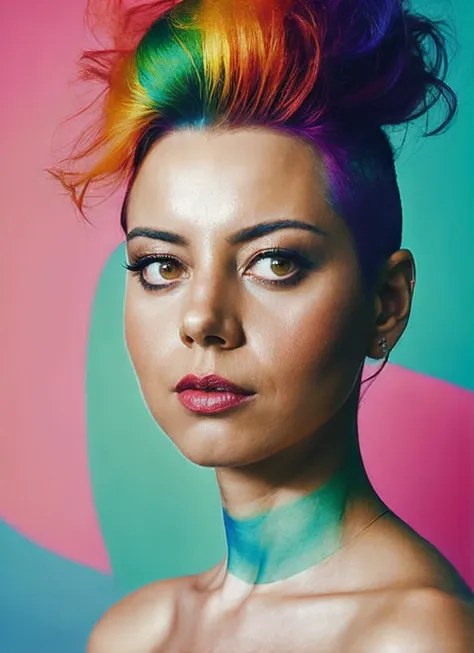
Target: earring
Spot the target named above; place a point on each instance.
(382, 343)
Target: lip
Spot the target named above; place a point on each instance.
(210, 383)
(210, 394)
(200, 401)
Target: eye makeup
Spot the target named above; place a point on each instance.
(303, 264)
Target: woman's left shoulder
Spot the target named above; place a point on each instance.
(418, 621)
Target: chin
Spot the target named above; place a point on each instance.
(215, 443)
(209, 457)
(220, 453)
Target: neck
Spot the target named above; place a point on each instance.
(305, 524)
(288, 539)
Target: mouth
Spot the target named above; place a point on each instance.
(211, 394)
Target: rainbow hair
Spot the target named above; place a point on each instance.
(332, 72)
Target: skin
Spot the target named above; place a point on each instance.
(300, 348)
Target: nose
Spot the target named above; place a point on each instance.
(211, 314)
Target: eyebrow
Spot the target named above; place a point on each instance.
(241, 236)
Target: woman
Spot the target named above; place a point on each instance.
(263, 227)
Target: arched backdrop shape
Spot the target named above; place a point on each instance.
(94, 499)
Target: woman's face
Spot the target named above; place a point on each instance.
(217, 309)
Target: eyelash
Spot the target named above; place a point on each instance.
(137, 266)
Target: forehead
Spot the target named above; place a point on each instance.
(221, 176)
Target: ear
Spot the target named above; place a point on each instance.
(392, 301)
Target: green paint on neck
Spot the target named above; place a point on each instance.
(288, 539)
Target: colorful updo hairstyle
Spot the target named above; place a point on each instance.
(332, 72)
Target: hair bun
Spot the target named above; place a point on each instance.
(382, 64)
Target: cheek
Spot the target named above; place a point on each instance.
(314, 348)
(145, 334)
(133, 328)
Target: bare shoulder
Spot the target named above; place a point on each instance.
(139, 622)
(424, 620)
(398, 557)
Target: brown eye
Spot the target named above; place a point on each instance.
(167, 270)
(284, 267)
(280, 266)
(270, 265)
(152, 271)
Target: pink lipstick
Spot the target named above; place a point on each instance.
(210, 394)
